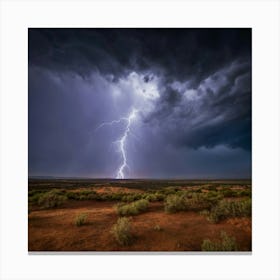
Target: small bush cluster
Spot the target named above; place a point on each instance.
(227, 192)
(175, 203)
(132, 208)
(92, 195)
(122, 231)
(150, 196)
(191, 201)
(131, 197)
(83, 195)
(200, 201)
(34, 197)
(51, 199)
(207, 187)
(227, 243)
(228, 209)
(80, 219)
(155, 197)
(246, 192)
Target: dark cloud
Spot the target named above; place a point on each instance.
(218, 112)
(181, 54)
(192, 88)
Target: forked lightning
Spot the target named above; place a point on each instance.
(122, 141)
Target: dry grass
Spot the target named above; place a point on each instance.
(81, 219)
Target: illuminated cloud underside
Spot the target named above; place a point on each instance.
(144, 94)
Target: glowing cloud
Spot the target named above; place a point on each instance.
(143, 91)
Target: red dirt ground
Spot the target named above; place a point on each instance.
(54, 230)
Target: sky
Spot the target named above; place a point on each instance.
(140, 103)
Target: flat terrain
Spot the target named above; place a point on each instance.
(53, 228)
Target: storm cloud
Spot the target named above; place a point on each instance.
(191, 89)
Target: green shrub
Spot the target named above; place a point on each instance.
(85, 192)
(191, 201)
(126, 209)
(246, 192)
(229, 193)
(227, 243)
(131, 197)
(132, 208)
(51, 199)
(92, 196)
(156, 196)
(200, 201)
(35, 192)
(82, 197)
(169, 190)
(159, 196)
(117, 196)
(122, 231)
(209, 187)
(80, 219)
(174, 203)
(228, 209)
(34, 197)
(151, 197)
(72, 195)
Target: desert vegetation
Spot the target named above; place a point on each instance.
(191, 201)
(229, 209)
(80, 219)
(51, 199)
(132, 208)
(226, 243)
(135, 215)
(122, 231)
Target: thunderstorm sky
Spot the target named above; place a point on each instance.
(139, 103)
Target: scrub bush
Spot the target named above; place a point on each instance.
(51, 199)
(80, 219)
(229, 209)
(122, 231)
(132, 208)
(227, 243)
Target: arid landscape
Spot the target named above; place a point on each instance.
(140, 108)
(139, 215)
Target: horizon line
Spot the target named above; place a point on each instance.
(146, 178)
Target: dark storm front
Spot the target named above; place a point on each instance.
(140, 103)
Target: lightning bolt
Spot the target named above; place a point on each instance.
(122, 141)
(111, 123)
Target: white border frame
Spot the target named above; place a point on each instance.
(17, 16)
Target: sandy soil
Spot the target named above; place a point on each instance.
(54, 230)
